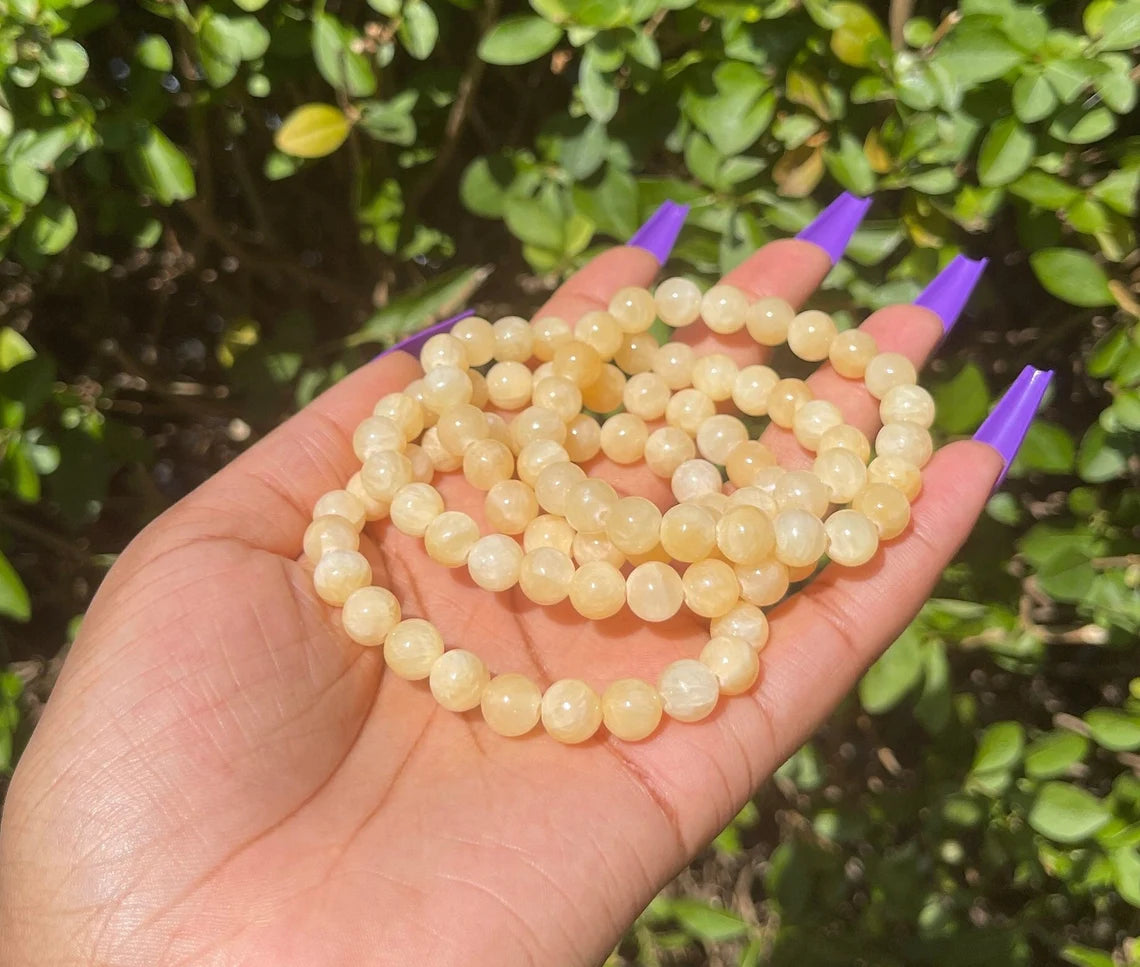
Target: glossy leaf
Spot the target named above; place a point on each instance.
(519, 40)
(1054, 753)
(14, 600)
(312, 131)
(1071, 275)
(1114, 728)
(1005, 153)
(419, 29)
(1066, 813)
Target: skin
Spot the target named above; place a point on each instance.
(223, 777)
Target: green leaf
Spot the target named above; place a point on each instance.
(962, 403)
(999, 747)
(160, 169)
(421, 307)
(1100, 458)
(14, 601)
(1072, 276)
(710, 924)
(734, 109)
(1082, 956)
(1044, 190)
(610, 202)
(419, 30)
(1033, 97)
(1126, 872)
(537, 221)
(1005, 153)
(519, 40)
(1066, 813)
(1076, 125)
(64, 61)
(390, 121)
(312, 131)
(219, 48)
(975, 51)
(154, 53)
(1118, 190)
(850, 165)
(252, 38)
(598, 90)
(51, 227)
(1120, 29)
(1047, 448)
(338, 64)
(1054, 753)
(1066, 575)
(858, 35)
(895, 673)
(14, 349)
(1114, 729)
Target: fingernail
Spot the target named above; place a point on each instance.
(950, 290)
(415, 342)
(834, 226)
(659, 233)
(1005, 428)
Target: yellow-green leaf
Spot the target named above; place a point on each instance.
(312, 131)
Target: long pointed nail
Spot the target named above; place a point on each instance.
(834, 226)
(415, 342)
(659, 233)
(950, 289)
(1005, 428)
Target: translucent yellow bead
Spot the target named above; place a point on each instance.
(768, 320)
(571, 711)
(719, 436)
(587, 505)
(368, 615)
(716, 503)
(553, 486)
(446, 387)
(810, 335)
(802, 573)
(655, 554)
(588, 548)
(461, 426)
(441, 458)
(633, 308)
(486, 463)
(333, 532)
(711, 588)
(376, 433)
(499, 429)
(678, 302)
(511, 705)
(384, 473)
(667, 448)
(423, 470)
(850, 352)
(458, 679)
(604, 394)
(577, 362)
(803, 490)
(450, 537)
(548, 530)
(744, 621)
(545, 575)
(443, 349)
(787, 396)
(907, 441)
(715, 375)
(887, 507)
(852, 538)
(514, 339)
(415, 391)
(812, 420)
(746, 460)
(597, 590)
(753, 496)
(342, 504)
(723, 309)
(583, 438)
(646, 395)
(898, 473)
(494, 561)
(477, 338)
(509, 385)
(631, 709)
(600, 330)
(846, 437)
(560, 395)
(688, 409)
(764, 584)
(510, 505)
(637, 353)
(404, 411)
(414, 507)
(373, 509)
(886, 371)
(768, 478)
(688, 690)
(654, 591)
(695, 478)
(752, 389)
(543, 371)
(412, 648)
(688, 532)
(537, 423)
(733, 661)
(479, 397)
(800, 538)
(338, 573)
(745, 535)
(550, 332)
(634, 525)
(673, 362)
(624, 437)
(537, 456)
(907, 403)
(842, 473)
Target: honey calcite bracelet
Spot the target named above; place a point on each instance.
(510, 405)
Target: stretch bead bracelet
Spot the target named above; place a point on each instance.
(520, 435)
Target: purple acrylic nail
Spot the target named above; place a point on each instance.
(950, 289)
(659, 233)
(834, 226)
(415, 342)
(1005, 428)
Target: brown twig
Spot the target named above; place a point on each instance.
(901, 11)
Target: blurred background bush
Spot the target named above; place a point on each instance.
(211, 210)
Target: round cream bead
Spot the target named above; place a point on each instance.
(402, 410)
(631, 709)
(338, 573)
(711, 588)
(548, 530)
(886, 371)
(694, 478)
(597, 590)
(637, 353)
(514, 339)
(536, 457)
(545, 575)
(369, 614)
(550, 332)
(443, 349)
(477, 337)
(787, 396)
(678, 302)
(478, 389)
(800, 538)
(723, 309)
(842, 473)
(768, 478)
(511, 705)
(744, 621)
(673, 362)
(746, 460)
(733, 661)
(633, 308)
(719, 436)
(654, 554)
(634, 525)
(583, 438)
(333, 533)
(588, 504)
(896, 472)
(908, 441)
(559, 395)
(850, 352)
(553, 486)
(450, 537)
(461, 426)
(537, 423)
(415, 392)
(753, 496)
(458, 679)
(446, 387)
(509, 385)
(716, 503)
(494, 561)
(745, 535)
(887, 508)
(715, 376)
(846, 437)
(487, 462)
(812, 420)
(752, 389)
(510, 506)
(600, 330)
(907, 403)
(768, 320)
(604, 394)
(588, 548)
(810, 334)
(623, 438)
(376, 433)
(342, 504)
(373, 509)
(414, 507)
(688, 690)
(542, 371)
(384, 473)
(577, 362)
(423, 470)
(852, 538)
(688, 410)
(646, 395)
(571, 711)
(688, 532)
(764, 584)
(803, 490)
(412, 648)
(802, 573)
(441, 458)
(667, 448)
(500, 430)
(654, 591)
